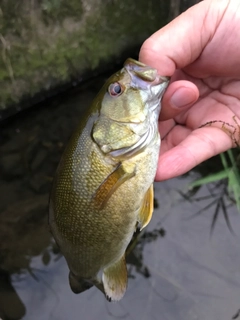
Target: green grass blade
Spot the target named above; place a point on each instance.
(210, 178)
(233, 186)
(224, 161)
(231, 157)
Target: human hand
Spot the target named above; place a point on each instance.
(200, 50)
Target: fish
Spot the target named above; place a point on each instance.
(102, 191)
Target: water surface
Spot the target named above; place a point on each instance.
(178, 270)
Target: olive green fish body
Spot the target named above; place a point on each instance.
(103, 186)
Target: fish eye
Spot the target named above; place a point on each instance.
(115, 89)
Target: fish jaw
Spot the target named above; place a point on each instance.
(151, 87)
(146, 78)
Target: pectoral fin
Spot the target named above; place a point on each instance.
(114, 280)
(145, 214)
(112, 183)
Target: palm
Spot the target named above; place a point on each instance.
(218, 103)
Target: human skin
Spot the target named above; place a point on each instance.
(200, 50)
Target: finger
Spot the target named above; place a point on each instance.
(164, 127)
(182, 41)
(199, 146)
(227, 37)
(179, 96)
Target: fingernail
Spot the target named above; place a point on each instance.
(183, 97)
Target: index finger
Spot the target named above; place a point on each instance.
(181, 42)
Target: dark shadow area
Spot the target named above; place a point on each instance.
(170, 265)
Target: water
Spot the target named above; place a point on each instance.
(177, 270)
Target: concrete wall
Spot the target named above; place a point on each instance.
(45, 44)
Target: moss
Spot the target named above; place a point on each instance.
(45, 46)
(57, 10)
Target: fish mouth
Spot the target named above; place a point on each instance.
(142, 75)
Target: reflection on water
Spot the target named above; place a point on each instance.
(176, 270)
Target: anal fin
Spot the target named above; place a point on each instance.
(114, 280)
(146, 211)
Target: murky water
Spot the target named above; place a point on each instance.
(177, 271)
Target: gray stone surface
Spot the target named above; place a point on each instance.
(48, 45)
(45, 44)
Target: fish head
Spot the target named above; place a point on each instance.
(129, 108)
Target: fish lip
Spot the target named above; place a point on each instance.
(131, 61)
(143, 75)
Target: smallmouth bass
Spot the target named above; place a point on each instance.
(103, 187)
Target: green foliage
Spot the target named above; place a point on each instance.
(230, 172)
(11, 15)
(57, 10)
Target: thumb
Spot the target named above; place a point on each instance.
(182, 41)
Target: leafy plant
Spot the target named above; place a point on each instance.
(230, 172)
(223, 186)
